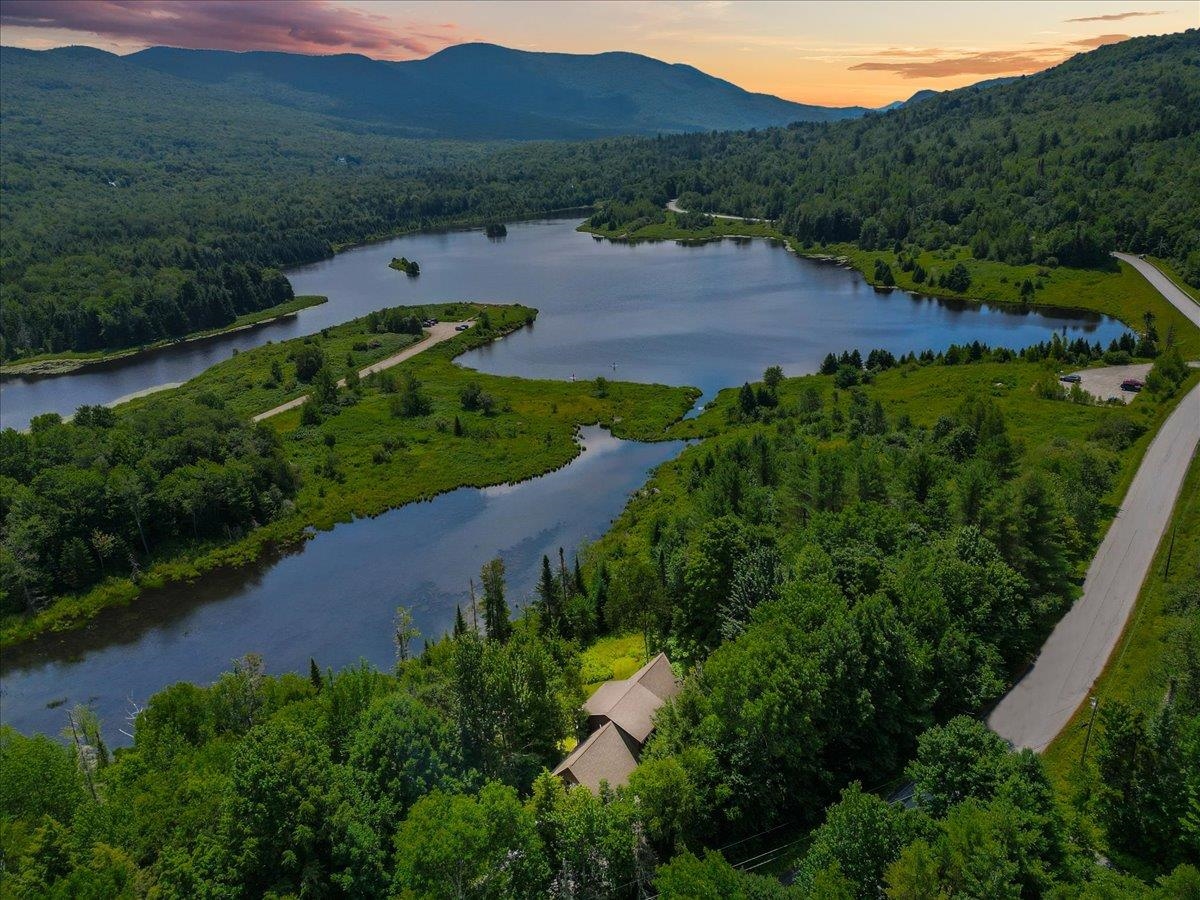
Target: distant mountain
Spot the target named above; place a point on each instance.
(486, 91)
(928, 93)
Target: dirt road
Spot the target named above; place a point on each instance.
(435, 334)
(1043, 701)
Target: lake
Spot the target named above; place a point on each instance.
(711, 316)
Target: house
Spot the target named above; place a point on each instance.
(620, 719)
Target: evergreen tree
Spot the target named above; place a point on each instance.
(547, 591)
(495, 606)
(314, 674)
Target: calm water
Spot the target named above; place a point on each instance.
(710, 316)
(333, 600)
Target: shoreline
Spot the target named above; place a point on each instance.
(49, 366)
(52, 365)
(73, 612)
(843, 262)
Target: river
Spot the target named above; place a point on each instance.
(334, 599)
(712, 316)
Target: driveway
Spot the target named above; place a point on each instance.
(1105, 383)
(673, 206)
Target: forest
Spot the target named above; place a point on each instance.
(85, 500)
(1099, 153)
(174, 211)
(846, 568)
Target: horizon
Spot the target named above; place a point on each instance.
(798, 51)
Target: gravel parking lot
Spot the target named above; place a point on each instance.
(1105, 383)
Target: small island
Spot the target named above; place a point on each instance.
(496, 230)
(405, 265)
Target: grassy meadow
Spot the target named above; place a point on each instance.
(245, 384)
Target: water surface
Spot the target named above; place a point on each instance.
(334, 599)
(711, 316)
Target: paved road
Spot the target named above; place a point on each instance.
(442, 331)
(1165, 285)
(1043, 701)
(673, 206)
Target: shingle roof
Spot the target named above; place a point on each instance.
(632, 702)
(655, 678)
(627, 709)
(607, 755)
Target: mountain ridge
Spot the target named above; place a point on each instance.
(486, 91)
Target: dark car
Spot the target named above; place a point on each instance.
(462, 327)
(1070, 379)
(1132, 384)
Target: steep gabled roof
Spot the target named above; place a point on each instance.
(632, 702)
(607, 755)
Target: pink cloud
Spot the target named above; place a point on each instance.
(315, 26)
(1116, 17)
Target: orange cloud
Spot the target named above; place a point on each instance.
(990, 62)
(1100, 40)
(986, 62)
(316, 26)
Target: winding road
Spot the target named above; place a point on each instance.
(435, 334)
(1165, 286)
(673, 206)
(1044, 700)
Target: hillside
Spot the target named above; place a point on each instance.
(1101, 152)
(141, 205)
(483, 91)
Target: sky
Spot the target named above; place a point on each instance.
(829, 53)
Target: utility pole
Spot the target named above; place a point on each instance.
(1170, 550)
(1091, 723)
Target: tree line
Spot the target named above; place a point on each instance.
(105, 493)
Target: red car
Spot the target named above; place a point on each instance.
(1132, 384)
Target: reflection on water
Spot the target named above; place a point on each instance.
(332, 600)
(711, 315)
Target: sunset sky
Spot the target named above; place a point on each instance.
(866, 53)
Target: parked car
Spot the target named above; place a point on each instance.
(1132, 384)
(1070, 379)
(463, 327)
